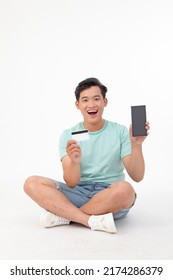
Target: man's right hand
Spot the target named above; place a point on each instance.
(74, 151)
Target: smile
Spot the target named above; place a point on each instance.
(92, 112)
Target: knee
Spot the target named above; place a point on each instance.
(125, 192)
(30, 184)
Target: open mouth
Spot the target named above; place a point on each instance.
(92, 112)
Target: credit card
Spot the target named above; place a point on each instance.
(81, 135)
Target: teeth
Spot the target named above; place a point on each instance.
(93, 111)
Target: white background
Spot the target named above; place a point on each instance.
(47, 47)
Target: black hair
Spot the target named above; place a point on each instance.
(87, 83)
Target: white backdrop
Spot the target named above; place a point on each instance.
(48, 46)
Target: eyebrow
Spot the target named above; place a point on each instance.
(83, 97)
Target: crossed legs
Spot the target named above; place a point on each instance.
(111, 200)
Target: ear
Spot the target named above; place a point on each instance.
(77, 104)
(105, 102)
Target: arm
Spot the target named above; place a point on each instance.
(71, 164)
(134, 163)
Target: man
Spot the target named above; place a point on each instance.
(95, 192)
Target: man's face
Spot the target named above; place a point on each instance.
(91, 104)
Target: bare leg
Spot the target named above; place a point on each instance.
(43, 191)
(118, 196)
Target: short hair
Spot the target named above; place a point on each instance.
(87, 83)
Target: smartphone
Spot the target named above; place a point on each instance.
(138, 115)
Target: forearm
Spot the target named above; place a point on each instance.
(71, 173)
(137, 164)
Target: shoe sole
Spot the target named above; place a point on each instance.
(43, 218)
(111, 224)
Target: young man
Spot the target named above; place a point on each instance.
(95, 192)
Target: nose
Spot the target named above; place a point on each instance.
(91, 103)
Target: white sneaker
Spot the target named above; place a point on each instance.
(49, 219)
(102, 222)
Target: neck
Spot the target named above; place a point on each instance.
(94, 127)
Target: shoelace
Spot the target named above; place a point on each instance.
(59, 220)
(97, 223)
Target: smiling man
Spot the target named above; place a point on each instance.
(95, 192)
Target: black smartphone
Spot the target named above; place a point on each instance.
(138, 114)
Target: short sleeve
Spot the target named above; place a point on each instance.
(125, 142)
(63, 143)
(65, 137)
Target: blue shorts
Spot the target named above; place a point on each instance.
(82, 193)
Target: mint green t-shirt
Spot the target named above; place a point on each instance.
(102, 154)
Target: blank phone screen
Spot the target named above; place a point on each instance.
(138, 114)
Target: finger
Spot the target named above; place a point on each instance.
(70, 142)
(70, 146)
(74, 148)
(75, 154)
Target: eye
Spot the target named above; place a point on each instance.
(84, 100)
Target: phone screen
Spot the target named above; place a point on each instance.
(138, 114)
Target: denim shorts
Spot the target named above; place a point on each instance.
(83, 192)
